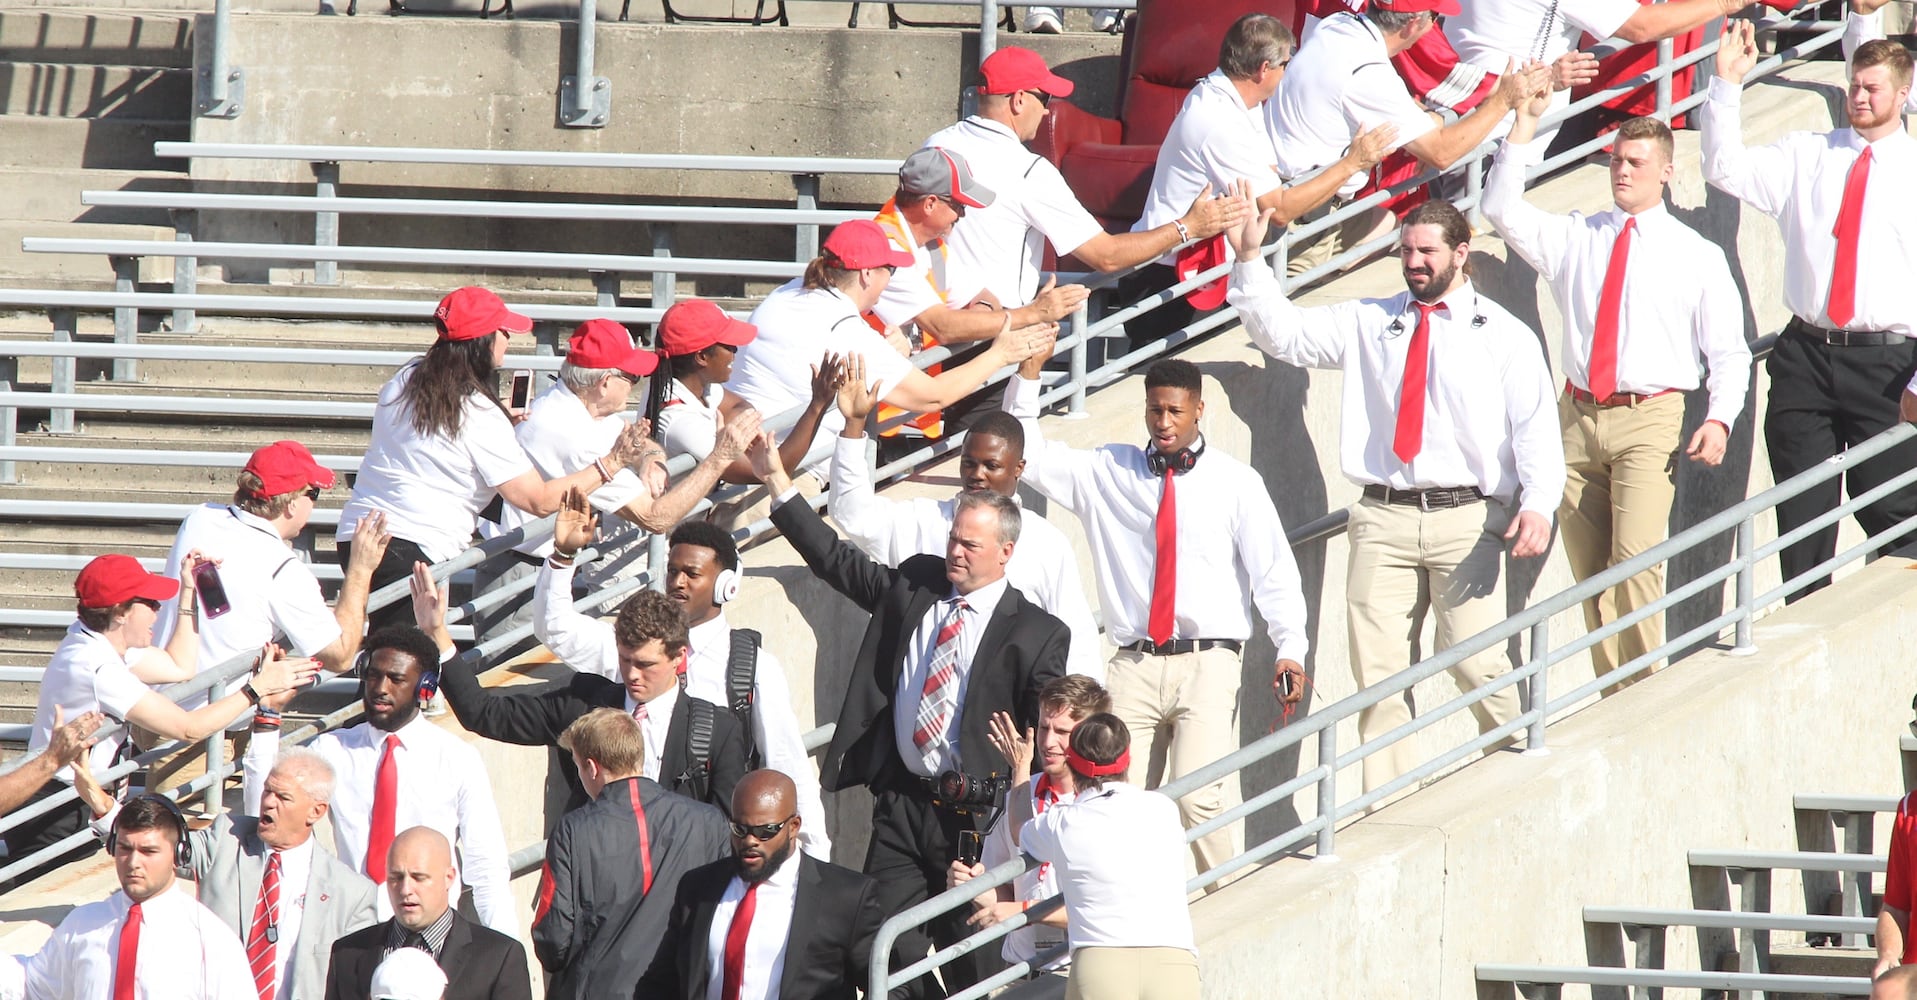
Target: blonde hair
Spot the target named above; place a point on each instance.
(608, 737)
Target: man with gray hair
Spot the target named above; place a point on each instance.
(565, 430)
(286, 897)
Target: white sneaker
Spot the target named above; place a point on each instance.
(1108, 19)
(1043, 20)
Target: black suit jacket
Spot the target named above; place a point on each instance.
(537, 716)
(480, 963)
(835, 915)
(1022, 648)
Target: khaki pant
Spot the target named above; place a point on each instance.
(1621, 466)
(1402, 561)
(1133, 974)
(1302, 257)
(1183, 714)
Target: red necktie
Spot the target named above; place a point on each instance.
(1602, 372)
(736, 944)
(1408, 439)
(939, 697)
(261, 938)
(129, 955)
(379, 835)
(1164, 611)
(640, 712)
(1843, 269)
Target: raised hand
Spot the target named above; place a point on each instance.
(857, 397)
(576, 521)
(1736, 50)
(370, 539)
(827, 375)
(71, 740)
(736, 434)
(1209, 216)
(634, 446)
(276, 674)
(1017, 345)
(1056, 301)
(1373, 145)
(1573, 69)
(430, 599)
(1015, 747)
(1247, 235)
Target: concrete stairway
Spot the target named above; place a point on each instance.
(83, 96)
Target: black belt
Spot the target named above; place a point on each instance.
(1179, 647)
(1436, 498)
(1845, 338)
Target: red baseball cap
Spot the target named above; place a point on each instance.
(116, 579)
(1445, 8)
(602, 343)
(860, 244)
(472, 312)
(692, 325)
(1012, 69)
(285, 466)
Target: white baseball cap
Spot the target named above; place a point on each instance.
(409, 974)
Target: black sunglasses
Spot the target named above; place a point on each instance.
(763, 831)
(313, 494)
(957, 207)
(1044, 99)
(148, 603)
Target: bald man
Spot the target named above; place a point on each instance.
(1899, 983)
(480, 963)
(793, 927)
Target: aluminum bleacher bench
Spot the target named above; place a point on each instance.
(1547, 982)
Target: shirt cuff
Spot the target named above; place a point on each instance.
(1253, 274)
(791, 493)
(1291, 647)
(1021, 396)
(1524, 154)
(1725, 92)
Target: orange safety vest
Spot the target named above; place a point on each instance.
(930, 424)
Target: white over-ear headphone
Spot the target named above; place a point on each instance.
(726, 586)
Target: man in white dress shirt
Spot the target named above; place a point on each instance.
(398, 770)
(1838, 366)
(1185, 541)
(1447, 427)
(150, 939)
(703, 574)
(1634, 342)
(1043, 566)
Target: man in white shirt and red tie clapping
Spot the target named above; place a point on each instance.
(1447, 427)
(1185, 540)
(1838, 367)
(1634, 342)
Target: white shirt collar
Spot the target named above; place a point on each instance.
(704, 636)
(984, 600)
(997, 128)
(787, 875)
(661, 705)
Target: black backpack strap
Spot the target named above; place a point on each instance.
(742, 674)
(701, 718)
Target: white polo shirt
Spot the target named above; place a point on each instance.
(561, 437)
(797, 325)
(85, 675)
(1338, 85)
(273, 593)
(1001, 248)
(1214, 140)
(687, 424)
(913, 289)
(1491, 32)
(432, 487)
(1120, 854)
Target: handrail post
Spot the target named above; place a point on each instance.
(805, 189)
(656, 560)
(585, 100)
(987, 29)
(1746, 587)
(66, 326)
(325, 224)
(186, 270)
(222, 87)
(1540, 688)
(665, 284)
(1666, 50)
(1328, 793)
(214, 802)
(126, 319)
(1081, 322)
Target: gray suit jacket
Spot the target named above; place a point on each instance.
(228, 863)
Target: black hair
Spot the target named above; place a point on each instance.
(706, 535)
(1101, 739)
(1000, 424)
(148, 812)
(407, 639)
(1175, 373)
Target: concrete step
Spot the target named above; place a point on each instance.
(115, 143)
(1799, 960)
(69, 90)
(145, 38)
(52, 194)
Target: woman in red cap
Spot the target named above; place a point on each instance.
(93, 670)
(699, 342)
(443, 446)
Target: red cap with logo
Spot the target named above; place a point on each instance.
(472, 312)
(860, 244)
(692, 325)
(285, 466)
(1012, 69)
(602, 343)
(116, 579)
(1443, 8)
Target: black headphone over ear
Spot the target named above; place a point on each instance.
(1179, 462)
(428, 678)
(182, 853)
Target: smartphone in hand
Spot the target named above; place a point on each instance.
(213, 599)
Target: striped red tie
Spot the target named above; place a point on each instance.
(938, 699)
(128, 959)
(262, 938)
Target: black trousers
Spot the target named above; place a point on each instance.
(45, 830)
(1161, 322)
(1823, 400)
(913, 843)
(397, 564)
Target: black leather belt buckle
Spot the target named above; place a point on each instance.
(1179, 647)
(1845, 338)
(1436, 498)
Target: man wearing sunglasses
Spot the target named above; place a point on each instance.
(769, 922)
(614, 866)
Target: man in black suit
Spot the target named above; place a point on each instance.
(813, 919)
(646, 646)
(940, 629)
(480, 963)
(613, 867)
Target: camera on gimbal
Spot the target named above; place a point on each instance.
(972, 793)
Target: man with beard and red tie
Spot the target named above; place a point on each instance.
(1448, 427)
(1840, 364)
(768, 923)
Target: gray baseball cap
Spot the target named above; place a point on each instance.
(943, 172)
